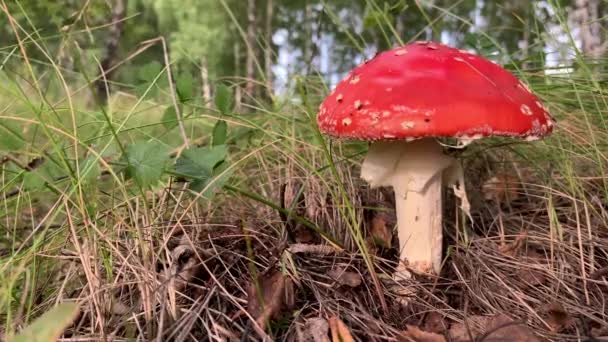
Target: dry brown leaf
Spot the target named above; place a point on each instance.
(513, 248)
(531, 276)
(435, 322)
(415, 334)
(276, 292)
(492, 328)
(339, 331)
(558, 318)
(315, 330)
(381, 231)
(502, 188)
(344, 277)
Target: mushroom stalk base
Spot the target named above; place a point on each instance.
(414, 170)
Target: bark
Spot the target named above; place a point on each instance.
(102, 83)
(238, 91)
(251, 45)
(205, 82)
(586, 16)
(268, 50)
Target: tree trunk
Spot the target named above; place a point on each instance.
(238, 90)
(586, 17)
(251, 47)
(102, 83)
(268, 50)
(205, 82)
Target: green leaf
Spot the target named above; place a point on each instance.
(170, 118)
(50, 325)
(220, 132)
(10, 136)
(146, 162)
(89, 170)
(201, 164)
(224, 99)
(149, 71)
(48, 172)
(183, 87)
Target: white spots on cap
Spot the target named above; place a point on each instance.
(525, 109)
(354, 80)
(432, 46)
(471, 58)
(401, 52)
(386, 113)
(421, 42)
(466, 139)
(458, 59)
(494, 62)
(389, 89)
(389, 136)
(339, 98)
(358, 104)
(375, 117)
(400, 108)
(532, 138)
(539, 105)
(346, 122)
(367, 102)
(523, 86)
(408, 124)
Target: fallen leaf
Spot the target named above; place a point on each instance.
(339, 331)
(435, 322)
(501, 188)
(558, 318)
(276, 292)
(315, 330)
(415, 334)
(530, 276)
(492, 328)
(380, 230)
(301, 248)
(513, 248)
(343, 277)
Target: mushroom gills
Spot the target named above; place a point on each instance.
(415, 171)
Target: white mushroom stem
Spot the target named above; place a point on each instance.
(414, 170)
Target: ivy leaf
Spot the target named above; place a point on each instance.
(10, 136)
(201, 165)
(223, 99)
(146, 162)
(183, 87)
(220, 132)
(50, 325)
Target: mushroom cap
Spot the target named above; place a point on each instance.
(428, 89)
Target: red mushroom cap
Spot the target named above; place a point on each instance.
(427, 89)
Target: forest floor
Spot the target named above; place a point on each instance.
(530, 267)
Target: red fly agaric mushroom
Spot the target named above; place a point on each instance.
(405, 98)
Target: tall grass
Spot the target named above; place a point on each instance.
(75, 228)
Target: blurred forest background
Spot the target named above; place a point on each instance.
(261, 44)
